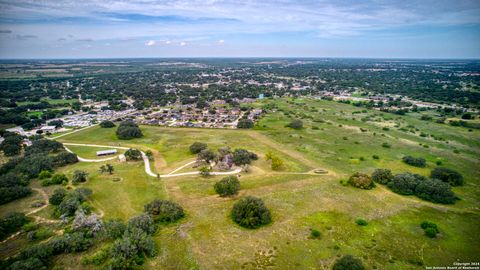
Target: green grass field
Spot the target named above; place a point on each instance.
(299, 200)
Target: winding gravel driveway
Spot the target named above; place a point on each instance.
(148, 169)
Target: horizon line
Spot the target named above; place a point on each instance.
(244, 57)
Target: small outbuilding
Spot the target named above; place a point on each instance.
(50, 129)
(106, 152)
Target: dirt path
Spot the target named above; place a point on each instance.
(68, 133)
(45, 198)
(279, 147)
(37, 218)
(181, 167)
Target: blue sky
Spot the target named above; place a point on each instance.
(217, 28)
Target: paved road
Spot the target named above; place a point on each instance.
(68, 133)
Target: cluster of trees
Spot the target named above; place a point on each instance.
(250, 212)
(245, 123)
(12, 143)
(42, 155)
(133, 154)
(67, 203)
(107, 168)
(446, 175)
(132, 242)
(56, 179)
(11, 223)
(417, 162)
(239, 157)
(128, 130)
(430, 229)
(228, 186)
(127, 243)
(79, 176)
(243, 157)
(276, 162)
(77, 239)
(433, 190)
(19, 115)
(40, 256)
(164, 211)
(361, 180)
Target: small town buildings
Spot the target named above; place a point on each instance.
(50, 129)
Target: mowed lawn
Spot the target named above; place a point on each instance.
(299, 200)
(121, 194)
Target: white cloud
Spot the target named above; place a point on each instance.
(183, 43)
(324, 17)
(221, 41)
(150, 43)
(168, 42)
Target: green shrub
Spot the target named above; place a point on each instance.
(44, 174)
(315, 234)
(361, 222)
(450, 176)
(205, 171)
(79, 176)
(427, 189)
(57, 179)
(348, 262)
(430, 232)
(197, 147)
(133, 154)
(99, 257)
(250, 212)
(11, 223)
(382, 176)
(386, 145)
(245, 123)
(405, 183)
(417, 162)
(296, 124)
(435, 191)
(31, 226)
(430, 229)
(128, 130)
(243, 157)
(375, 157)
(107, 124)
(361, 180)
(428, 224)
(39, 234)
(57, 196)
(228, 186)
(164, 211)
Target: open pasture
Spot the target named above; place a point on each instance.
(334, 138)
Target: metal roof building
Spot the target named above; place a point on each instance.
(107, 152)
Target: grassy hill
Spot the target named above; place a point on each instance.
(339, 138)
